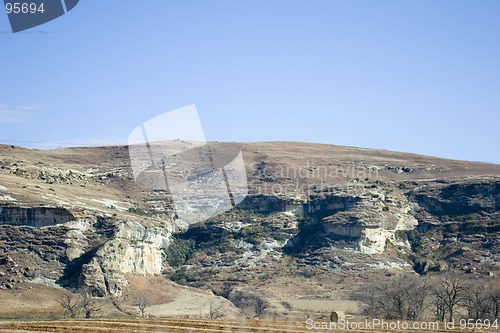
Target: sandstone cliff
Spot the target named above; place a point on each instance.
(75, 218)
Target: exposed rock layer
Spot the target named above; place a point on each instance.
(76, 217)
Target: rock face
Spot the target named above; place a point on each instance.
(372, 221)
(133, 249)
(143, 247)
(368, 219)
(79, 255)
(458, 226)
(349, 232)
(34, 217)
(76, 218)
(459, 198)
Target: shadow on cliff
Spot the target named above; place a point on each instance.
(73, 270)
(312, 234)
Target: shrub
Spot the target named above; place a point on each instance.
(178, 252)
(138, 211)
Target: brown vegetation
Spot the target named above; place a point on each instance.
(444, 297)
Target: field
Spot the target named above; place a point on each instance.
(152, 325)
(173, 325)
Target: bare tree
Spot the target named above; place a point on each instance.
(71, 304)
(252, 305)
(494, 302)
(248, 312)
(226, 289)
(439, 308)
(215, 309)
(142, 303)
(477, 302)
(408, 295)
(260, 306)
(450, 293)
(418, 292)
(401, 297)
(90, 306)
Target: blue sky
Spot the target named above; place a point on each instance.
(413, 76)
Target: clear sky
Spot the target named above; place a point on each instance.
(413, 76)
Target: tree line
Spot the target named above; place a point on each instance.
(444, 297)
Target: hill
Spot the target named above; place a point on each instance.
(319, 222)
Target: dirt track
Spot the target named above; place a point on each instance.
(173, 326)
(153, 325)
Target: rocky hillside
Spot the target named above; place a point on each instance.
(318, 221)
